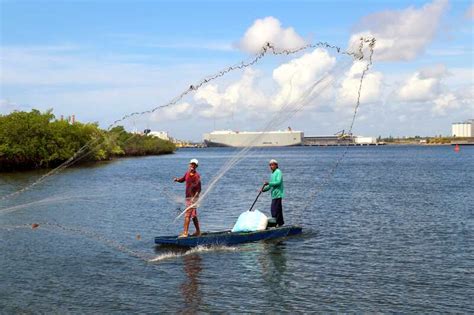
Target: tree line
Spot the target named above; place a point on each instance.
(30, 140)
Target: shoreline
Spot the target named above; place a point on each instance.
(87, 163)
(358, 145)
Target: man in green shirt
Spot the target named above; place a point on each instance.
(277, 192)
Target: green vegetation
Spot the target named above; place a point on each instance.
(421, 140)
(403, 140)
(138, 145)
(441, 140)
(33, 139)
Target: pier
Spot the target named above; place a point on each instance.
(325, 141)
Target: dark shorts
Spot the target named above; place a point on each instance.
(277, 211)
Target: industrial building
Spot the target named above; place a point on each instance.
(463, 129)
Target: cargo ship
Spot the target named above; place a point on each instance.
(229, 138)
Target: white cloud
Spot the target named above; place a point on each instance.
(427, 90)
(466, 94)
(460, 76)
(348, 91)
(461, 99)
(240, 96)
(445, 102)
(176, 112)
(296, 76)
(417, 89)
(470, 12)
(401, 34)
(423, 85)
(293, 82)
(435, 71)
(269, 29)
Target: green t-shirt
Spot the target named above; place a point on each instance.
(276, 185)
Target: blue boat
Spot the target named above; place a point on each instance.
(228, 238)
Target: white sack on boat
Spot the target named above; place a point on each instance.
(250, 221)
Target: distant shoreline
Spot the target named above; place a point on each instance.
(86, 163)
(411, 141)
(323, 146)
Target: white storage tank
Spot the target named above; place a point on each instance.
(463, 129)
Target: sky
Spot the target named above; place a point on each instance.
(101, 60)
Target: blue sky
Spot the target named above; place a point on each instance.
(103, 59)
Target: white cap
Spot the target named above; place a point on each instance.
(272, 161)
(195, 161)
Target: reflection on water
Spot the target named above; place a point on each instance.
(273, 260)
(190, 286)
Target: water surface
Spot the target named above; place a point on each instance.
(391, 232)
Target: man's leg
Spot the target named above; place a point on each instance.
(186, 224)
(196, 224)
(279, 212)
(273, 208)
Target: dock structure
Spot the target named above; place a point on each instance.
(463, 141)
(339, 141)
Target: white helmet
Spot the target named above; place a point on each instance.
(194, 161)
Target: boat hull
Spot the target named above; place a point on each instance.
(228, 238)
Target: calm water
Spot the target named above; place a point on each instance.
(392, 232)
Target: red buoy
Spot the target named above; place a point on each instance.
(456, 148)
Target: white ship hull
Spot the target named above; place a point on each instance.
(254, 139)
